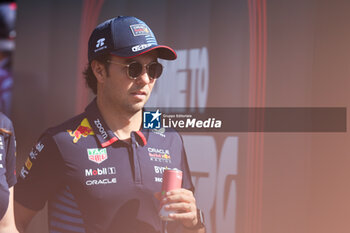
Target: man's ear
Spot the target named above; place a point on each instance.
(99, 71)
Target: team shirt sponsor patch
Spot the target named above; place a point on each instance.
(83, 130)
(100, 171)
(101, 181)
(32, 156)
(97, 155)
(140, 30)
(24, 172)
(160, 132)
(28, 164)
(36, 150)
(158, 170)
(159, 155)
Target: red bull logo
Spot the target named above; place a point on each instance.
(83, 130)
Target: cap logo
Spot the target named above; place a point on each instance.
(140, 47)
(100, 42)
(140, 30)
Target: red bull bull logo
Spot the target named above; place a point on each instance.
(83, 130)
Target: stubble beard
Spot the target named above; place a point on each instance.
(133, 109)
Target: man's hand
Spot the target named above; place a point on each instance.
(183, 203)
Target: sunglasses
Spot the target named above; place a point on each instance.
(153, 69)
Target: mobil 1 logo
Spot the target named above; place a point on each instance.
(100, 171)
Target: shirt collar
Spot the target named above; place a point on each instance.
(104, 134)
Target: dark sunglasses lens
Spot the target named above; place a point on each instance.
(135, 69)
(155, 70)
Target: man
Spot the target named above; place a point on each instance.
(97, 170)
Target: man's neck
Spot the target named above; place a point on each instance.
(121, 122)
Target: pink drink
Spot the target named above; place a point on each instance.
(172, 179)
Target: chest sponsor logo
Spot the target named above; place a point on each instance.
(97, 155)
(159, 170)
(100, 171)
(83, 130)
(158, 179)
(159, 155)
(160, 132)
(101, 181)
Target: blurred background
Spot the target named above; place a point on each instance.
(231, 53)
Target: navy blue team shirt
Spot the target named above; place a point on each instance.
(7, 161)
(94, 182)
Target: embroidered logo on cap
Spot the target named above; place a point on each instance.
(140, 30)
(140, 47)
(100, 44)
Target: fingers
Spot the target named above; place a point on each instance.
(183, 216)
(178, 195)
(180, 207)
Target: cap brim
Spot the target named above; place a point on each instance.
(164, 52)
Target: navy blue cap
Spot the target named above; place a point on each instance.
(125, 36)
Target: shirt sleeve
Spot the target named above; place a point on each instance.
(11, 158)
(186, 173)
(39, 177)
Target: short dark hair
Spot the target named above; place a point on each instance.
(89, 75)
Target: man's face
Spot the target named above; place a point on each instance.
(123, 93)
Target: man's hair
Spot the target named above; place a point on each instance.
(89, 75)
